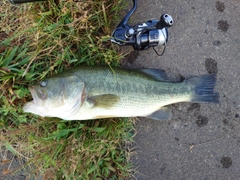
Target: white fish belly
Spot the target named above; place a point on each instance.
(127, 108)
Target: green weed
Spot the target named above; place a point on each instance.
(41, 39)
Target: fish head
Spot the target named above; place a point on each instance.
(56, 97)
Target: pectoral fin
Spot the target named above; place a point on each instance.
(103, 101)
(162, 114)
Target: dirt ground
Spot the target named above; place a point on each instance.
(202, 141)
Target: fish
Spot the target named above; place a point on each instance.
(96, 92)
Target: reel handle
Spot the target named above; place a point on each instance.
(165, 21)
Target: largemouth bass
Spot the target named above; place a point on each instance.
(94, 92)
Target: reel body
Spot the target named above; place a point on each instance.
(142, 36)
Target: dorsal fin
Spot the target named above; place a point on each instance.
(156, 74)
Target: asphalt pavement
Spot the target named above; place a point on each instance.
(202, 141)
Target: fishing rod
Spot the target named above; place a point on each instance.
(23, 1)
(142, 36)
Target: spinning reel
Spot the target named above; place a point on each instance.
(141, 36)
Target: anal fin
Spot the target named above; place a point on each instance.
(161, 114)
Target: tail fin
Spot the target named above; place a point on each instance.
(204, 88)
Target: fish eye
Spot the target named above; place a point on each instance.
(43, 83)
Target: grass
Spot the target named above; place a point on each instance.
(41, 39)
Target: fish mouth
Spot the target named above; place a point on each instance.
(33, 106)
(32, 92)
(28, 105)
(34, 103)
(35, 97)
